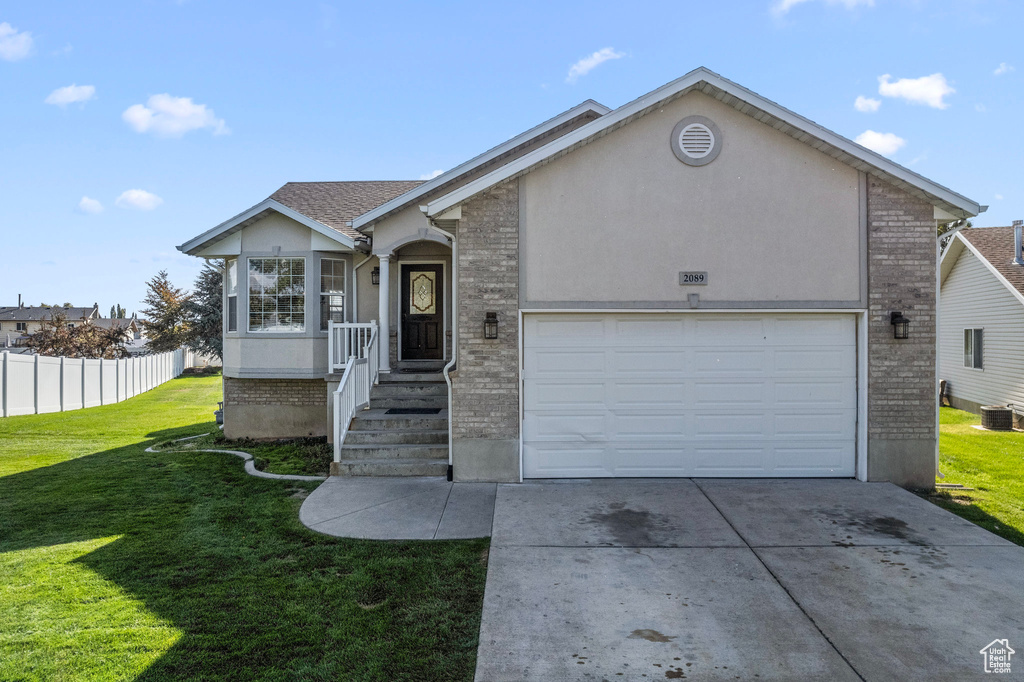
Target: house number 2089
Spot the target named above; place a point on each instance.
(693, 278)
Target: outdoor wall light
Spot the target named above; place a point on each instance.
(491, 326)
(375, 277)
(900, 325)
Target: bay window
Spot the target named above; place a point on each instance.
(231, 284)
(277, 294)
(332, 291)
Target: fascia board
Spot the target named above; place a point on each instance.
(739, 92)
(991, 268)
(207, 237)
(491, 154)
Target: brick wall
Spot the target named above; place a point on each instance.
(274, 392)
(901, 276)
(486, 387)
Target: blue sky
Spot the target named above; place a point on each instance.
(186, 112)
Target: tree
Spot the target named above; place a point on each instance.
(205, 313)
(165, 323)
(117, 312)
(58, 338)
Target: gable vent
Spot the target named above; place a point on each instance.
(696, 141)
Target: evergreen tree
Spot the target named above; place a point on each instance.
(205, 313)
(165, 322)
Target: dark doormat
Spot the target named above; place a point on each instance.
(414, 410)
(418, 370)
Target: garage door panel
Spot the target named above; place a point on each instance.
(689, 395)
(730, 425)
(815, 362)
(649, 331)
(730, 361)
(556, 462)
(728, 330)
(662, 362)
(629, 427)
(648, 394)
(717, 460)
(814, 331)
(836, 425)
(821, 460)
(566, 395)
(736, 393)
(808, 394)
(578, 427)
(562, 362)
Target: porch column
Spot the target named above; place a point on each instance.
(384, 312)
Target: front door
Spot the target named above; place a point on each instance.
(422, 310)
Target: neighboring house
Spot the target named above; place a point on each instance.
(19, 322)
(981, 318)
(698, 283)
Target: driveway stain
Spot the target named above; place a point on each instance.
(651, 636)
(631, 527)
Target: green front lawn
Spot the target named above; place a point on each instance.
(990, 462)
(121, 564)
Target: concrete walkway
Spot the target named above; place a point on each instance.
(731, 579)
(401, 508)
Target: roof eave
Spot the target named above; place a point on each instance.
(250, 215)
(709, 81)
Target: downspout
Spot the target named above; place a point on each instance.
(455, 331)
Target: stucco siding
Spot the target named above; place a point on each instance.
(972, 297)
(756, 218)
(275, 230)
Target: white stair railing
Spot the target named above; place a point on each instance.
(353, 393)
(346, 340)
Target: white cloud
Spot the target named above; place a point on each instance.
(588, 64)
(1003, 68)
(782, 6)
(71, 94)
(866, 104)
(883, 143)
(924, 90)
(87, 205)
(138, 199)
(168, 116)
(999, 197)
(14, 45)
(431, 176)
(980, 108)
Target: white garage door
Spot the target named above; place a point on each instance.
(689, 395)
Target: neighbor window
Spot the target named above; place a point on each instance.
(22, 326)
(231, 283)
(973, 348)
(332, 291)
(277, 294)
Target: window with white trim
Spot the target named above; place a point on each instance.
(231, 283)
(973, 347)
(277, 294)
(332, 291)
(22, 326)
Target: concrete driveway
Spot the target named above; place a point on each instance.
(741, 579)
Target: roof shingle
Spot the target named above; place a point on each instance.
(996, 245)
(336, 203)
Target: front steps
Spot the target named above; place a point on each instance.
(381, 444)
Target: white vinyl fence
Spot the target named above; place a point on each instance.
(34, 384)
